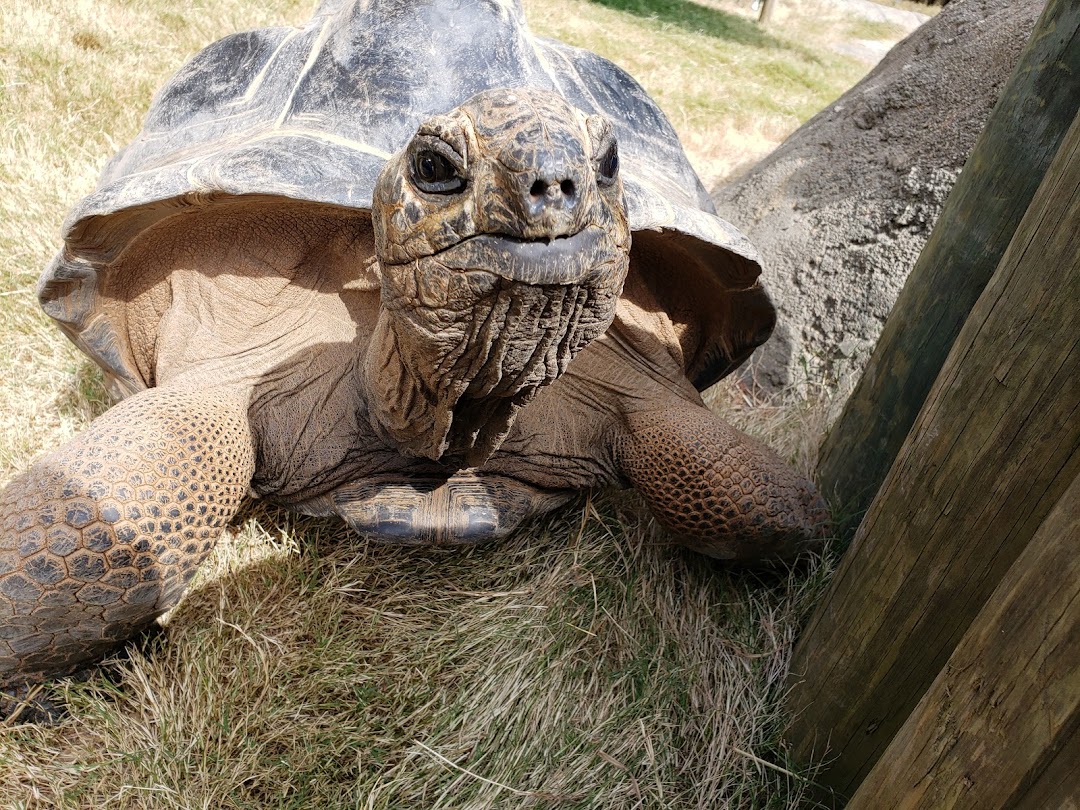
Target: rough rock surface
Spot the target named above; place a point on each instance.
(841, 210)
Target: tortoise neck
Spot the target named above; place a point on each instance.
(428, 420)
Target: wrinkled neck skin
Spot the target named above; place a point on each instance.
(446, 378)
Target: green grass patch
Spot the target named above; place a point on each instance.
(697, 18)
(875, 29)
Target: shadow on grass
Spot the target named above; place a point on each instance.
(698, 19)
(84, 395)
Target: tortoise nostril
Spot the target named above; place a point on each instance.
(551, 196)
(552, 189)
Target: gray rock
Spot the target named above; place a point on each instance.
(841, 210)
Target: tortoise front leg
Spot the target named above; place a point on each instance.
(101, 536)
(718, 490)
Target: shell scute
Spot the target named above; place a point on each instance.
(216, 79)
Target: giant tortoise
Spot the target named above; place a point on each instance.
(409, 265)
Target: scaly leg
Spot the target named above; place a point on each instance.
(101, 536)
(719, 491)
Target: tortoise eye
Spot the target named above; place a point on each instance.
(435, 174)
(609, 164)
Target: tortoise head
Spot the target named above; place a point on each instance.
(503, 243)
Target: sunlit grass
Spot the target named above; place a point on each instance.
(732, 90)
(581, 665)
(912, 5)
(584, 664)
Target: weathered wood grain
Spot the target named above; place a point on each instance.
(1007, 702)
(1058, 787)
(993, 448)
(980, 216)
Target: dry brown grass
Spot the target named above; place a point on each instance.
(583, 664)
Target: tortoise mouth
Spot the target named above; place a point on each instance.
(475, 330)
(576, 259)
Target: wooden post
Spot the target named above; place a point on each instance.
(980, 216)
(765, 17)
(1057, 787)
(1006, 708)
(990, 453)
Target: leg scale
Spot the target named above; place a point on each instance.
(718, 490)
(101, 536)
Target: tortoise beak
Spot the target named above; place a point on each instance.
(573, 259)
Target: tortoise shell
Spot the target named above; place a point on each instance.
(313, 113)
